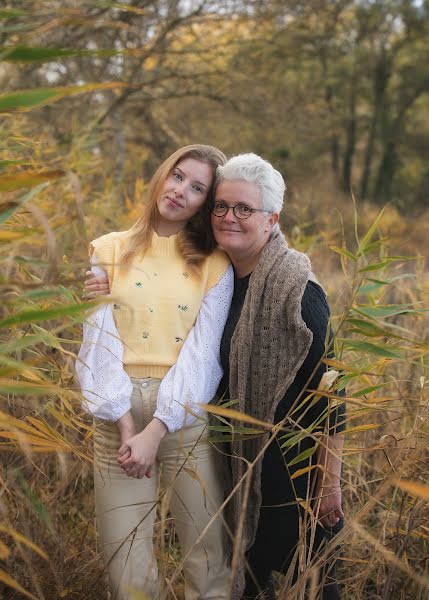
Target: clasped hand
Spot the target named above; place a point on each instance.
(137, 454)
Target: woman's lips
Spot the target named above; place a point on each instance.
(175, 202)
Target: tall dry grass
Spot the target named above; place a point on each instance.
(48, 544)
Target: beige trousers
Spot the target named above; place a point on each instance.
(185, 476)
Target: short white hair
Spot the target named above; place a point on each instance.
(252, 168)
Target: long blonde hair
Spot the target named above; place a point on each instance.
(196, 240)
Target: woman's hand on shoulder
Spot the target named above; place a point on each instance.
(96, 285)
(138, 454)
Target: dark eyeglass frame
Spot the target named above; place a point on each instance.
(251, 210)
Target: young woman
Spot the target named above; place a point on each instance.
(171, 292)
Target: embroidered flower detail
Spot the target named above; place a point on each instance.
(145, 335)
(116, 306)
(178, 339)
(185, 275)
(182, 307)
(138, 283)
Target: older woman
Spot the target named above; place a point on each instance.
(271, 351)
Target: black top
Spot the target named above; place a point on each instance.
(315, 313)
(281, 516)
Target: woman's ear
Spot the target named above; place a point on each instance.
(273, 219)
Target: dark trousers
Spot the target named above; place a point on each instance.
(278, 533)
(264, 558)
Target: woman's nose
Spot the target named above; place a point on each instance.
(229, 216)
(179, 188)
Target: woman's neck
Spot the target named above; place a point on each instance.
(168, 228)
(244, 265)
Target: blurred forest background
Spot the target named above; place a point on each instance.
(94, 95)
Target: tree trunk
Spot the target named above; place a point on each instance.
(334, 144)
(381, 78)
(386, 173)
(346, 178)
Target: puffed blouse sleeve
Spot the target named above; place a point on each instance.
(195, 377)
(105, 386)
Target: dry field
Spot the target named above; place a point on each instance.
(48, 543)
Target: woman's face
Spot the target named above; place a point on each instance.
(184, 192)
(241, 237)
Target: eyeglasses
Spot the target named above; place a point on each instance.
(241, 211)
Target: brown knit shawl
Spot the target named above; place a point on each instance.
(270, 343)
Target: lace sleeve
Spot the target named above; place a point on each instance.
(196, 375)
(105, 386)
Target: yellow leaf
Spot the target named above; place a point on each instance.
(7, 579)
(413, 488)
(10, 236)
(4, 551)
(233, 414)
(33, 440)
(302, 471)
(362, 427)
(19, 537)
(27, 179)
(306, 506)
(337, 364)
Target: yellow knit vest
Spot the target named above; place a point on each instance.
(156, 300)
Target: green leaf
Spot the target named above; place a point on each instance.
(36, 504)
(7, 163)
(343, 252)
(47, 338)
(15, 345)
(14, 386)
(366, 328)
(8, 213)
(11, 13)
(370, 247)
(37, 294)
(387, 310)
(370, 289)
(364, 243)
(37, 315)
(16, 27)
(371, 348)
(303, 456)
(27, 54)
(368, 390)
(292, 438)
(29, 99)
(375, 267)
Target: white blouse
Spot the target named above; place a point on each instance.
(194, 378)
